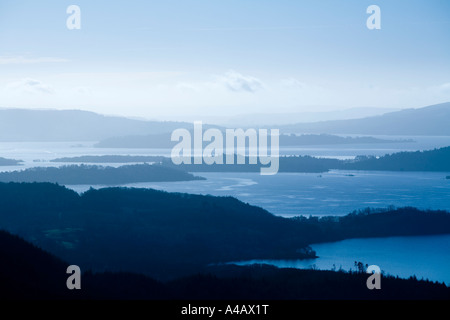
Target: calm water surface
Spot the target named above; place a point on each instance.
(426, 257)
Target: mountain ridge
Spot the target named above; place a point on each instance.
(78, 125)
(429, 120)
(73, 125)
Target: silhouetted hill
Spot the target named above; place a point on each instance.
(142, 230)
(328, 139)
(167, 235)
(263, 282)
(432, 120)
(74, 125)
(89, 174)
(27, 272)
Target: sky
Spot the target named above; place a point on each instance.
(197, 58)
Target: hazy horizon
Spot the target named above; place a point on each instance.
(260, 119)
(251, 119)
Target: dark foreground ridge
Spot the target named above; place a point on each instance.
(170, 235)
(27, 272)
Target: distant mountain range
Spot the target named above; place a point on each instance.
(432, 120)
(74, 125)
(279, 118)
(77, 125)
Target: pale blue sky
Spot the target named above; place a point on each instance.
(167, 59)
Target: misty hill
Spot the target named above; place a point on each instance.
(74, 125)
(9, 162)
(164, 141)
(328, 139)
(166, 235)
(431, 120)
(77, 125)
(28, 272)
(89, 174)
(151, 141)
(286, 118)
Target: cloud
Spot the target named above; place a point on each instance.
(231, 81)
(236, 82)
(30, 85)
(442, 90)
(187, 86)
(83, 90)
(5, 60)
(444, 87)
(292, 83)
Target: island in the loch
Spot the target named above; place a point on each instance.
(437, 160)
(98, 175)
(429, 160)
(163, 140)
(111, 159)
